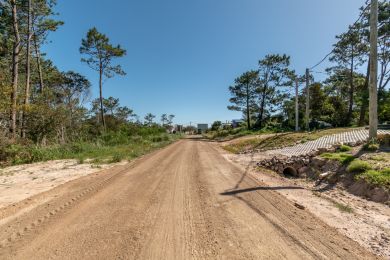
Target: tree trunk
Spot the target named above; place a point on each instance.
(101, 96)
(38, 58)
(27, 89)
(364, 106)
(373, 114)
(262, 104)
(15, 70)
(248, 119)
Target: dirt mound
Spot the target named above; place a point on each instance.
(363, 189)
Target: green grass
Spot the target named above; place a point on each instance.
(345, 148)
(230, 134)
(371, 147)
(343, 207)
(358, 166)
(108, 149)
(377, 177)
(378, 158)
(343, 158)
(116, 158)
(279, 140)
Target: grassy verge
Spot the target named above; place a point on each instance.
(372, 168)
(377, 177)
(341, 157)
(107, 149)
(279, 140)
(230, 134)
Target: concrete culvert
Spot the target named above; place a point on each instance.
(290, 172)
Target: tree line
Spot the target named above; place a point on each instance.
(41, 104)
(266, 95)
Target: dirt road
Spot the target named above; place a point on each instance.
(183, 202)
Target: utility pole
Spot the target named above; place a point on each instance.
(373, 113)
(307, 116)
(296, 106)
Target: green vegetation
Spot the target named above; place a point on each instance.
(269, 142)
(371, 145)
(358, 166)
(378, 158)
(343, 207)
(230, 133)
(374, 169)
(111, 147)
(343, 158)
(340, 100)
(376, 177)
(44, 112)
(345, 148)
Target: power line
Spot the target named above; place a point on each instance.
(318, 63)
(353, 25)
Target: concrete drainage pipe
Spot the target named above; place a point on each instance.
(290, 172)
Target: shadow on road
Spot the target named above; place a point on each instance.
(234, 192)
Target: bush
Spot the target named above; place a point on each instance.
(116, 158)
(358, 166)
(345, 148)
(216, 125)
(371, 145)
(380, 178)
(160, 138)
(128, 142)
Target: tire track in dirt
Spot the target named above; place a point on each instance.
(14, 233)
(171, 204)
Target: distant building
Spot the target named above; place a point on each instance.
(237, 123)
(202, 128)
(178, 129)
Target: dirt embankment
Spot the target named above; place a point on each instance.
(366, 222)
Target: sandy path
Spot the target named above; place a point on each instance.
(23, 181)
(183, 202)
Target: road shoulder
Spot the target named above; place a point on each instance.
(365, 222)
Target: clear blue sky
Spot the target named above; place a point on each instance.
(182, 55)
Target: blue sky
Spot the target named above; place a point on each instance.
(182, 55)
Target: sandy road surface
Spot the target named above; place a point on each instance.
(183, 202)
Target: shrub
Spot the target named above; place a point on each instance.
(345, 148)
(380, 178)
(160, 138)
(371, 145)
(358, 166)
(80, 160)
(116, 158)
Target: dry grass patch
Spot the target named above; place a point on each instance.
(279, 140)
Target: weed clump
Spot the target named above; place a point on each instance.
(376, 177)
(358, 166)
(371, 146)
(345, 148)
(343, 158)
